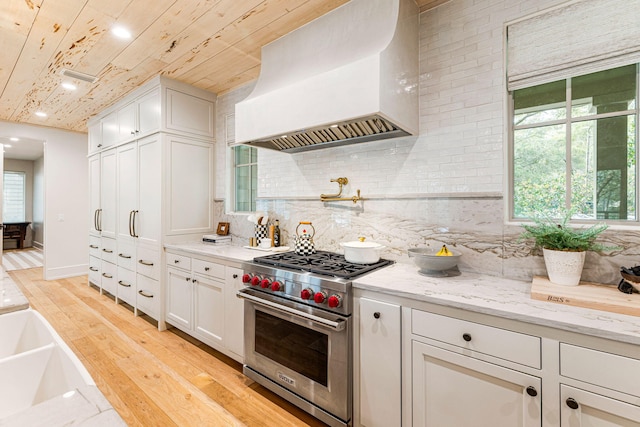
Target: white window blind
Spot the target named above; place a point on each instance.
(14, 197)
(577, 38)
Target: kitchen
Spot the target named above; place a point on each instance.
(445, 186)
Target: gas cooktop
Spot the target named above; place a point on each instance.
(322, 262)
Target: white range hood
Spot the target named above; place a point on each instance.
(349, 76)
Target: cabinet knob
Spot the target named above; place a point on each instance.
(235, 276)
(466, 337)
(206, 269)
(571, 403)
(176, 261)
(376, 314)
(133, 133)
(531, 391)
(187, 279)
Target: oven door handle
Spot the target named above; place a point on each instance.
(337, 326)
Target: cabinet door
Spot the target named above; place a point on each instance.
(127, 189)
(380, 363)
(108, 194)
(95, 137)
(147, 222)
(209, 310)
(179, 298)
(234, 312)
(450, 389)
(190, 186)
(127, 122)
(110, 129)
(94, 195)
(149, 112)
(581, 408)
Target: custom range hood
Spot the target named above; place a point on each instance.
(349, 76)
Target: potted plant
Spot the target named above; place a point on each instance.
(563, 247)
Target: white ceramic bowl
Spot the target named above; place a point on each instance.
(432, 265)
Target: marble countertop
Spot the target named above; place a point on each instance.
(226, 252)
(509, 299)
(11, 298)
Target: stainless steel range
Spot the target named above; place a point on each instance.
(298, 332)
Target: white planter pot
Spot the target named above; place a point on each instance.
(564, 267)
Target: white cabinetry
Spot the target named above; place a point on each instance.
(379, 378)
(597, 397)
(200, 301)
(153, 184)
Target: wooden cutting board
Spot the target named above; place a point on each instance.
(587, 295)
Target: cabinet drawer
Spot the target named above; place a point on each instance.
(207, 268)
(126, 255)
(94, 270)
(148, 262)
(607, 370)
(108, 250)
(126, 285)
(108, 277)
(496, 342)
(148, 296)
(94, 246)
(178, 261)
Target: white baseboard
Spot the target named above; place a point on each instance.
(38, 245)
(64, 272)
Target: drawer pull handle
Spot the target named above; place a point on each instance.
(531, 391)
(571, 403)
(124, 256)
(125, 284)
(194, 280)
(376, 315)
(187, 279)
(176, 261)
(143, 262)
(93, 269)
(108, 276)
(93, 246)
(206, 269)
(466, 337)
(146, 295)
(235, 276)
(109, 251)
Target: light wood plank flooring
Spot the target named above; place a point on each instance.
(152, 378)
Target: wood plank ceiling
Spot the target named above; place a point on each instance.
(211, 44)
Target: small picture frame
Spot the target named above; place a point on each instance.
(223, 228)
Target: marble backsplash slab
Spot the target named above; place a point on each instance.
(473, 225)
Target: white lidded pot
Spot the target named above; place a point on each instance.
(361, 252)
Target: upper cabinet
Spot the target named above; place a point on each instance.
(160, 105)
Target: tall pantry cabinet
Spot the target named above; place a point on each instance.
(151, 183)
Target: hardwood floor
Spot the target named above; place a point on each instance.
(152, 378)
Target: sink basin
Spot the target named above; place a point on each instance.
(35, 363)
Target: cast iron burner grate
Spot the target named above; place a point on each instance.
(322, 262)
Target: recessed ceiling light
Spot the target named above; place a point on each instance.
(334, 126)
(69, 86)
(41, 114)
(14, 139)
(7, 145)
(121, 32)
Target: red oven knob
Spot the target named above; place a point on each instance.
(264, 283)
(319, 297)
(334, 301)
(275, 286)
(306, 293)
(246, 278)
(255, 281)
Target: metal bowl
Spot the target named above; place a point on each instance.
(432, 265)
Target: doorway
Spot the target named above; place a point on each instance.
(22, 194)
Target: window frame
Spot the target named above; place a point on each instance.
(568, 121)
(23, 175)
(233, 190)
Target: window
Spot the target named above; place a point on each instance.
(14, 197)
(245, 170)
(574, 147)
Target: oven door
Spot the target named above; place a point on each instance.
(300, 348)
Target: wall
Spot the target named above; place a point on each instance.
(65, 198)
(25, 166)
(445, 186)
(38, 203)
